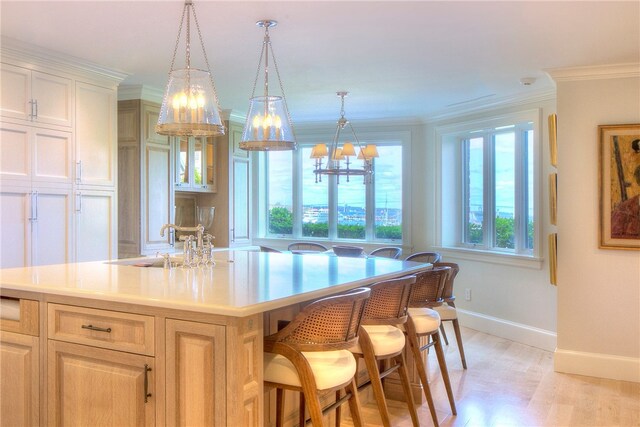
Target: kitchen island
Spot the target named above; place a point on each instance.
(131, 344)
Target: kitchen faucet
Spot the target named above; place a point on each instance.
(199, 229)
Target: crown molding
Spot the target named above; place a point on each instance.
(147, 93)
(501, 102)
(595, 72)
(35, 57)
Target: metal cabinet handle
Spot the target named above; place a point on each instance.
(78, 171)
(78, 202)
(31, 107)
(35, 104)
(95, 328)
(147, 395)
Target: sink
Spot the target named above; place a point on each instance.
(156, 262)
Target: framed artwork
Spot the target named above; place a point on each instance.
(619, 173)
(553, 259)
(553, 198)
(553, 143)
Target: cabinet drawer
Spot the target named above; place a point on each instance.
(19, 315)
(102, 328)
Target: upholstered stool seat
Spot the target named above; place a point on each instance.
(426, 320)
(330, 368)
(385, 339)
(446, 312)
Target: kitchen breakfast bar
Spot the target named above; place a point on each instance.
(132, 343)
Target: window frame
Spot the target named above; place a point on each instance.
(450, 190)
(308, 139)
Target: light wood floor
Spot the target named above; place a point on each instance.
(510, 384)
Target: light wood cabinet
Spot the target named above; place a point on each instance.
(145, 184)
(34, 96)
(89, 386)
(195, 374)
(20, 368)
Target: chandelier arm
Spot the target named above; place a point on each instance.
(206, 60)
(284, 97)
(175, 49)
(355, 137)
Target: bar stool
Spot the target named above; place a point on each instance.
(423, 321)
(447, 310)
(381, 340)
(431, 257)
(307, 246)
(310, 355)
(387, 252)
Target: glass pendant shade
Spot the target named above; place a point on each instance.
(190, 104)
(267, 127)
(189, 107)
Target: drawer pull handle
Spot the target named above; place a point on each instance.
(95, 328)
(147, 395)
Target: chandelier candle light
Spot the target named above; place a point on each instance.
(268, 126)
(337, 154)
(190, 104)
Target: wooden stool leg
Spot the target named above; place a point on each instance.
(313, 405)
(444, 371)
(338, 409)
(456, 327)
(354, 404)
(279, 406)
(302, 419)
(414, 345)
(376, 385)
(444, 333)
(406, 386)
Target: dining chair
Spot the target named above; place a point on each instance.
(423, 321)
(268, 249)
(381, 343)
(429, 257)
(447, 310)
(310, 355)
(387, 252)
(307, 246)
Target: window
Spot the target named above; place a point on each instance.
(488, 185)
(497, 188)
(298, 207)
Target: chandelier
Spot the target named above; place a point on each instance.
(268, 126)
(336, 154)
(190, 104)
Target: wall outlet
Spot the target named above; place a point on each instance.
(467, 294)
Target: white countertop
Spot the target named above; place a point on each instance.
(241, 283)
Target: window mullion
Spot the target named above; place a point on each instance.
(520, 169)
(489, 209)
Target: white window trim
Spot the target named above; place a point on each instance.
(448, 241)
(307, 139)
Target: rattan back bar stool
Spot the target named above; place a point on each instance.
(310, 355)
(431, 257)
(423, 321)
(447, 310)
(381, 340)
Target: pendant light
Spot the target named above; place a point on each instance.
(190, 104)
(336, 154)
(268, 126)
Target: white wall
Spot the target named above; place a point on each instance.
(511, 298)
(598, 289)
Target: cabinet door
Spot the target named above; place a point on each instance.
(95, 135)
(95, 226)
(52, 97)
(15, 227)
(89, 386)
(52, 226)
(15, 152)
(196, 375)
(20, 385)
(16, 92)
(158, 194)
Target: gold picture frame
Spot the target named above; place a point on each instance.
(553, 259)
(553, 198)
(553, 142)
(619, 182)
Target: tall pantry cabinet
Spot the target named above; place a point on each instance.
(57, 159)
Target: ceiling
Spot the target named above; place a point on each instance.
(398, 59)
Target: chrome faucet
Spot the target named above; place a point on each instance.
(191, 254)
(199, 229)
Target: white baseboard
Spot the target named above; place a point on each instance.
(597, 365)
(517, 332)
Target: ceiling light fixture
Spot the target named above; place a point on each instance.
(337, 154)
(268, 126)
(190, 104)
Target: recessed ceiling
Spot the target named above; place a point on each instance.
(410, 60)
